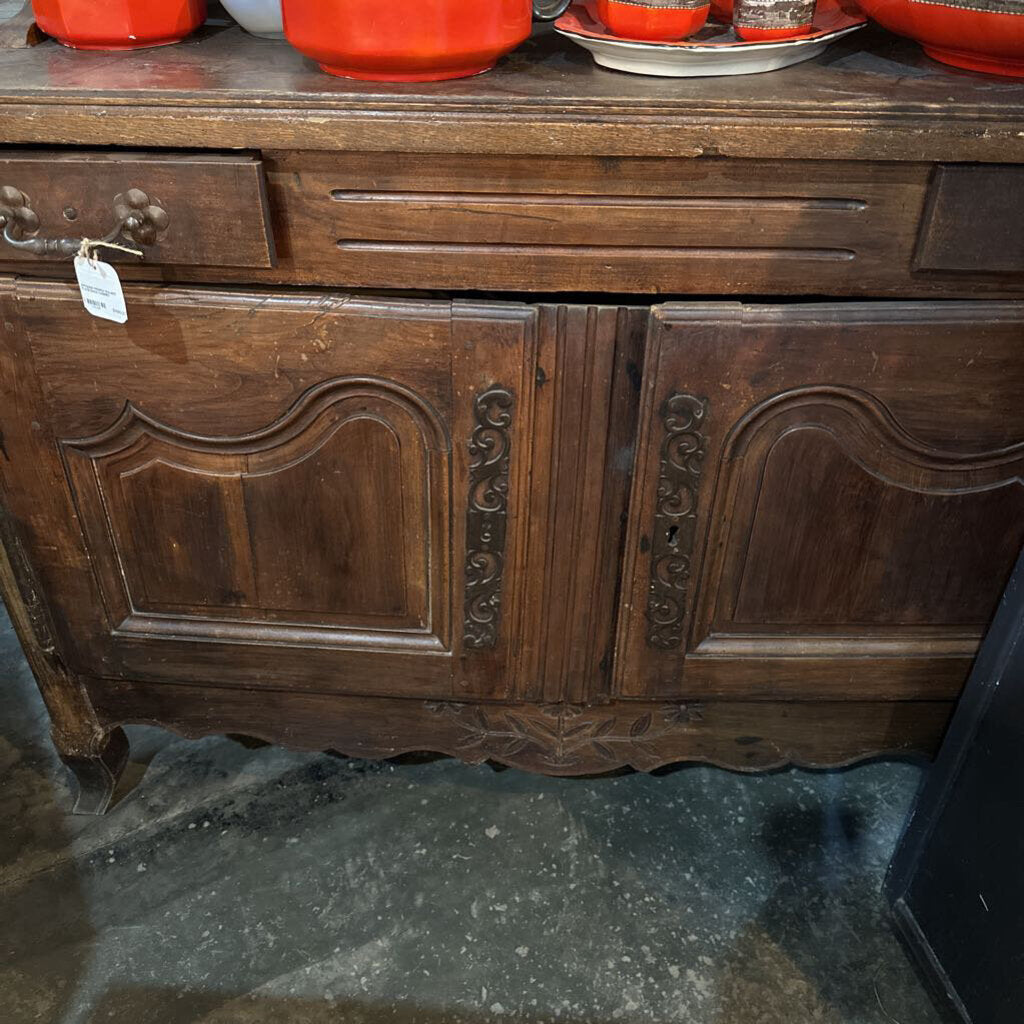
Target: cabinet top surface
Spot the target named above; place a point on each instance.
(872, 95)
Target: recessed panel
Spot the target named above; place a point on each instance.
(330, 532)
(172, 526)
(834, 522)
(321, 521)
(833, 544)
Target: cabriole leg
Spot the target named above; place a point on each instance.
(96, 776)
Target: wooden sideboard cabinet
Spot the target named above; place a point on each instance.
(556, 417)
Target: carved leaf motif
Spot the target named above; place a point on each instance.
(640, 726)
(559, 760)
(563, 736)
(486, 516)
(575, 730)
(516, 746)
(546, 732)
(683, 448)
(478, 719)
(519, 726)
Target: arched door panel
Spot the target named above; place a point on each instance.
(828, 499)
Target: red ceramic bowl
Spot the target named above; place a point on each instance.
(118, 24)
(406, 40)
(722, 11)
(959, 32)
(633, 20)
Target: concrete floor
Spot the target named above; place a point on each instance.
(235, 885)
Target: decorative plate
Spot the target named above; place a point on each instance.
(714, 50)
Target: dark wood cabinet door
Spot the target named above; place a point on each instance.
(288, 491)
(828, 499)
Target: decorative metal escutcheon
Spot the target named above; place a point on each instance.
(139, 221)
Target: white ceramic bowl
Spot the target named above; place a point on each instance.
(260, 17)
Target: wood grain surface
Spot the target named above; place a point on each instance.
(871, 96)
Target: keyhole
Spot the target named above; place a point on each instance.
(673, 538)
(70, 213)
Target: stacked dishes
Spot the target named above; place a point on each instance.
(742, 38)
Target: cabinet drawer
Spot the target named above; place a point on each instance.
(583, 224)
(974, 220)
(214, 205)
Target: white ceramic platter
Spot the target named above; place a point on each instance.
(726, 56)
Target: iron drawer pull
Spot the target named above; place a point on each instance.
(140, 220)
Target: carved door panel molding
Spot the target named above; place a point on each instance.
(836, 513)
(275, 491)
(840, 446)
(294, 546)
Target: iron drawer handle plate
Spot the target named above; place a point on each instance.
(139, 220)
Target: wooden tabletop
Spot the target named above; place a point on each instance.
(870, 96)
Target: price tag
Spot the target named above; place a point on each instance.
(101, 289)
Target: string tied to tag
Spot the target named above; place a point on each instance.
(98, 282)
(87, 250)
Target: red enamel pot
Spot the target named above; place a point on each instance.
(406, 40)
(633, 19)
(981, 35)
(118, 24)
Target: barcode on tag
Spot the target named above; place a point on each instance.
(101, 289)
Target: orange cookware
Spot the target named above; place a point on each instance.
(118, 24)
(406, 40)
(981, 35)
(655, 20)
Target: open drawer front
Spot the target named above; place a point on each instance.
(207, 210)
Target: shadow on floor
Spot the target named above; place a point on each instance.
(241, 885)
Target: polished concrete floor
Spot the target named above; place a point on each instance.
(236, 885)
